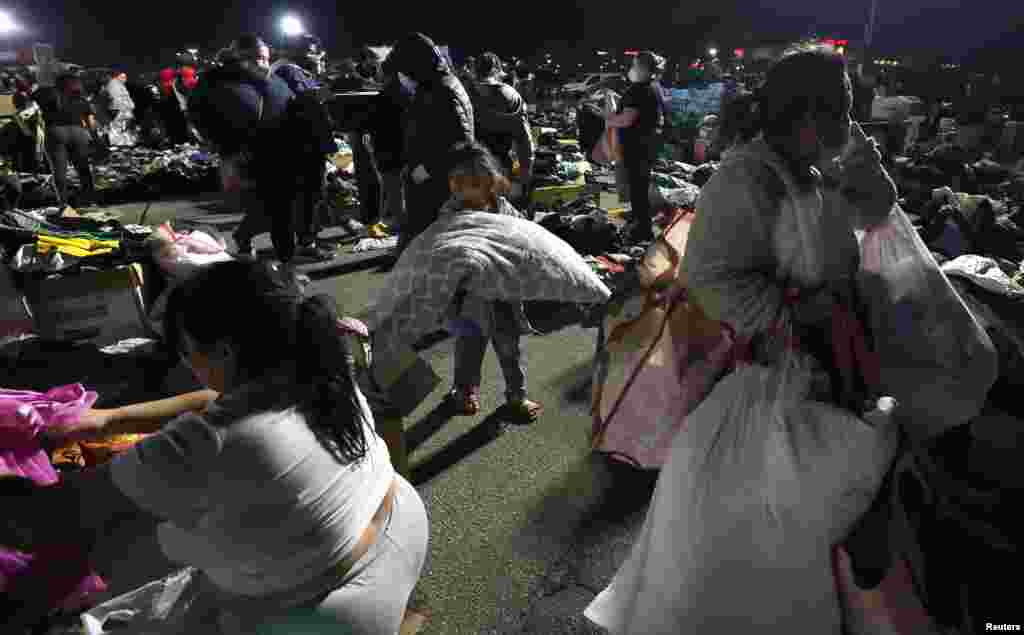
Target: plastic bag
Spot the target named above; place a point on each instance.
(658, 356)
(935, 358)
(158, 608)
(756, 491)
(180, 253)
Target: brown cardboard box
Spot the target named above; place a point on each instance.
(101, 306)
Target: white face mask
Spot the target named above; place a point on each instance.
(635, 75)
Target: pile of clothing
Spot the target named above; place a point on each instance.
(46, 241)
(949, 164)
(136, 173)
(584, 226)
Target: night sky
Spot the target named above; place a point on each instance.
(144, 34)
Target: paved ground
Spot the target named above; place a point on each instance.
(526, 525)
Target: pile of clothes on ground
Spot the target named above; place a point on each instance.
(48, 241)
(136, 173)
(926, 167)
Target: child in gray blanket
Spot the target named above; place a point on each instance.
(478, 184)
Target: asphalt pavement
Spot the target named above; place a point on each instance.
(526, 524)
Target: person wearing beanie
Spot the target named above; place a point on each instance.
(439, 118)
(502, 124)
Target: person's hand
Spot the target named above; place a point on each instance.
(863, 181)
(92, 424)
(420, 174)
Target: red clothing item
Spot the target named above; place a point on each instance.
(188, 77)
(167, 77)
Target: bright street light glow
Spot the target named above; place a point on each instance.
(7, 23)
(713, 52)
(292, 26)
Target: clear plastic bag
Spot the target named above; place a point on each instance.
(158, 608)
(934, 356)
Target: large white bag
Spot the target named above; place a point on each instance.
(755, 493)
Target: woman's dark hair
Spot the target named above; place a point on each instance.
(273, 328)
(804, 80)
(247, 46)
(472, 161)
(652, 62)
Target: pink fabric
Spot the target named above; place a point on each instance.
(891, 609)
(656, 406)
(23, 416)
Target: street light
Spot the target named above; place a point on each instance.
(713, 52)
(7, 24)
(292, 26)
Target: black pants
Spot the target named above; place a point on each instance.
(310, 191)
(368, 180)
(638, 166)
(423, 202)
(10, 193)
(277, 185)
(64, 143)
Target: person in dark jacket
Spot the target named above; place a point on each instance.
(363, 76)
(502, 124)
(641, 119)
(70, 126)
(439, 118)
(301, 67)
(241, 109)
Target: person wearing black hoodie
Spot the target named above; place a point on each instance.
(439, 118)
(502, 124)
(242, 109)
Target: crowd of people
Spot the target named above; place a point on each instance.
(278, 487)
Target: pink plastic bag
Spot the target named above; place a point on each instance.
(24, 415)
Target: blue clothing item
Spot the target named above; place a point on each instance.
(297, 78)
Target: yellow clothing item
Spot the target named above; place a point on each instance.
(380, 230)
(79, 247)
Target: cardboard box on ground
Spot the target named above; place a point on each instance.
(104, 307)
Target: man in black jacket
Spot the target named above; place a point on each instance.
(439, 117)
(242, 109)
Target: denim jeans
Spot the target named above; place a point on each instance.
(470, 351)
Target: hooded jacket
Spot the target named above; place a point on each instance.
(441, 113)
(502, 123)
(226, 108)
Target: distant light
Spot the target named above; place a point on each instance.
(713, 52)
(602, 52)
(739, 53)
(7, 24)
(292, 26)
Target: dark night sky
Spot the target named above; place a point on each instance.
(146, 33)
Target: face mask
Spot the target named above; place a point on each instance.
(635, 76)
